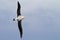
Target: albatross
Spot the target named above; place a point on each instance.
(19, 19)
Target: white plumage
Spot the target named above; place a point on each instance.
(19, 18)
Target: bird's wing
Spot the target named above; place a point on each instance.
(19, 22)
(18, 9)
(20, 28)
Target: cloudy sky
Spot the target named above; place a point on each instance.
(42, 20)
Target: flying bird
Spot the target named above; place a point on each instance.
(19, 19)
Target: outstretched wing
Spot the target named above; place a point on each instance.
(19, 22)
(18, 9)
(20, 28)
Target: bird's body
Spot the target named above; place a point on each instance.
(19, 19)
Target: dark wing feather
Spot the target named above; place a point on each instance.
(20, 28)
(19, 22)
(18, 9)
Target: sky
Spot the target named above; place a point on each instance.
(41, 22)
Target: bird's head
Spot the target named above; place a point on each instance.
(13, 19)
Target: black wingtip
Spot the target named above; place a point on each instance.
(18, 5)
(21, 34)
(18, 2)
